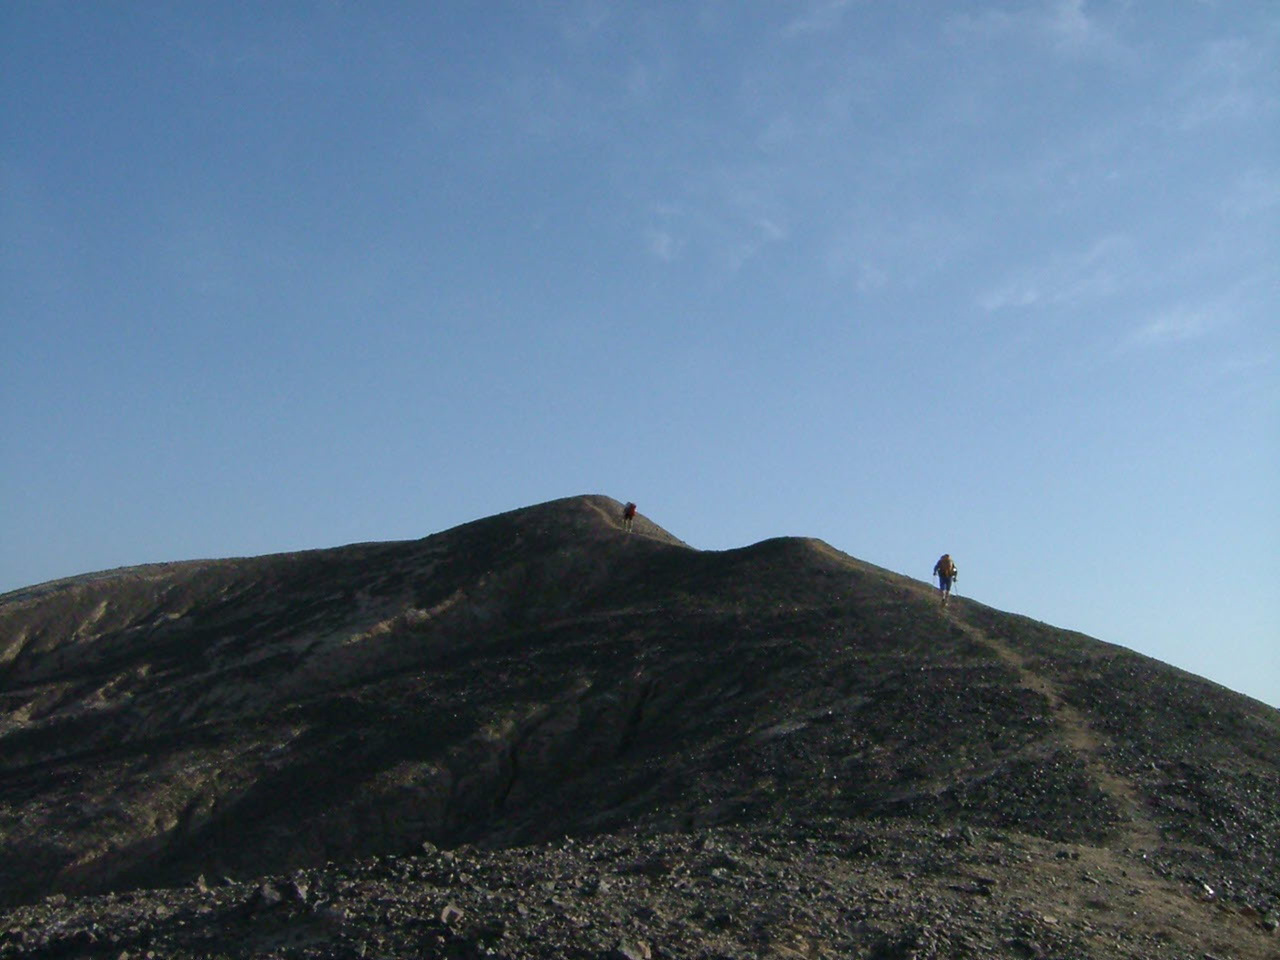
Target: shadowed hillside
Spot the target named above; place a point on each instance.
(540, 675)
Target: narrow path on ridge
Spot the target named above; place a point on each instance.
(1163, 899)
(1077, 734)
(1071, 727)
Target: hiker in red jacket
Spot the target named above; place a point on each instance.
(946, 572)
(628, 516)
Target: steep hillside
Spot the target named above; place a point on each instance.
(542, 674)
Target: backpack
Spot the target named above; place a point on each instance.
(947, 566)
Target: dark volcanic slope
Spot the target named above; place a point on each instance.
(541, 674)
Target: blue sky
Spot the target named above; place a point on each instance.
(992, 278)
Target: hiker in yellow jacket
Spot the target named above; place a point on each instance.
(945, 570)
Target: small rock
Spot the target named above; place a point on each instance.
(266, 896)
(451, 914)
(632, 950)
(331, 913)
(200, 884)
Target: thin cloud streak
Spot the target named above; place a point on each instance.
(1074, 31)
(1225, 84)
(1065, 26)
(904, 252)
(819, 18)
(1093, 274)
(728, 216)
(662, 244)
(1180, 324)
(1255, 193)
(1177, 326)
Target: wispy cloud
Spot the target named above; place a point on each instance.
(1186, 322)
(1093, 273)
(1230, 80)
(1246, 374)
(752, 237)
(986, 24)
(1242, 365)
(663, 244)
(1013, 295)
(1255, 192)
(1073, 30)
(1174, 326)
(869, 277)
(745, 216)
(584, 20)
(818, 17)
(879, 251)
(723, 218)
(640, 81)
(1067, 26)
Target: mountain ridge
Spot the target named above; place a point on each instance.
(542, 674)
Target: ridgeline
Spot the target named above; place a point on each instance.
(538, 735)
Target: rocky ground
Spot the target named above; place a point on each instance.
(538, 736)
(829, 888)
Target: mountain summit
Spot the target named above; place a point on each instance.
(777, 750)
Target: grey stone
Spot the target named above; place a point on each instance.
(632, 950)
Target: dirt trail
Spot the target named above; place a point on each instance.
(1163, 904)
(1072, 727)
(1076, 733)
